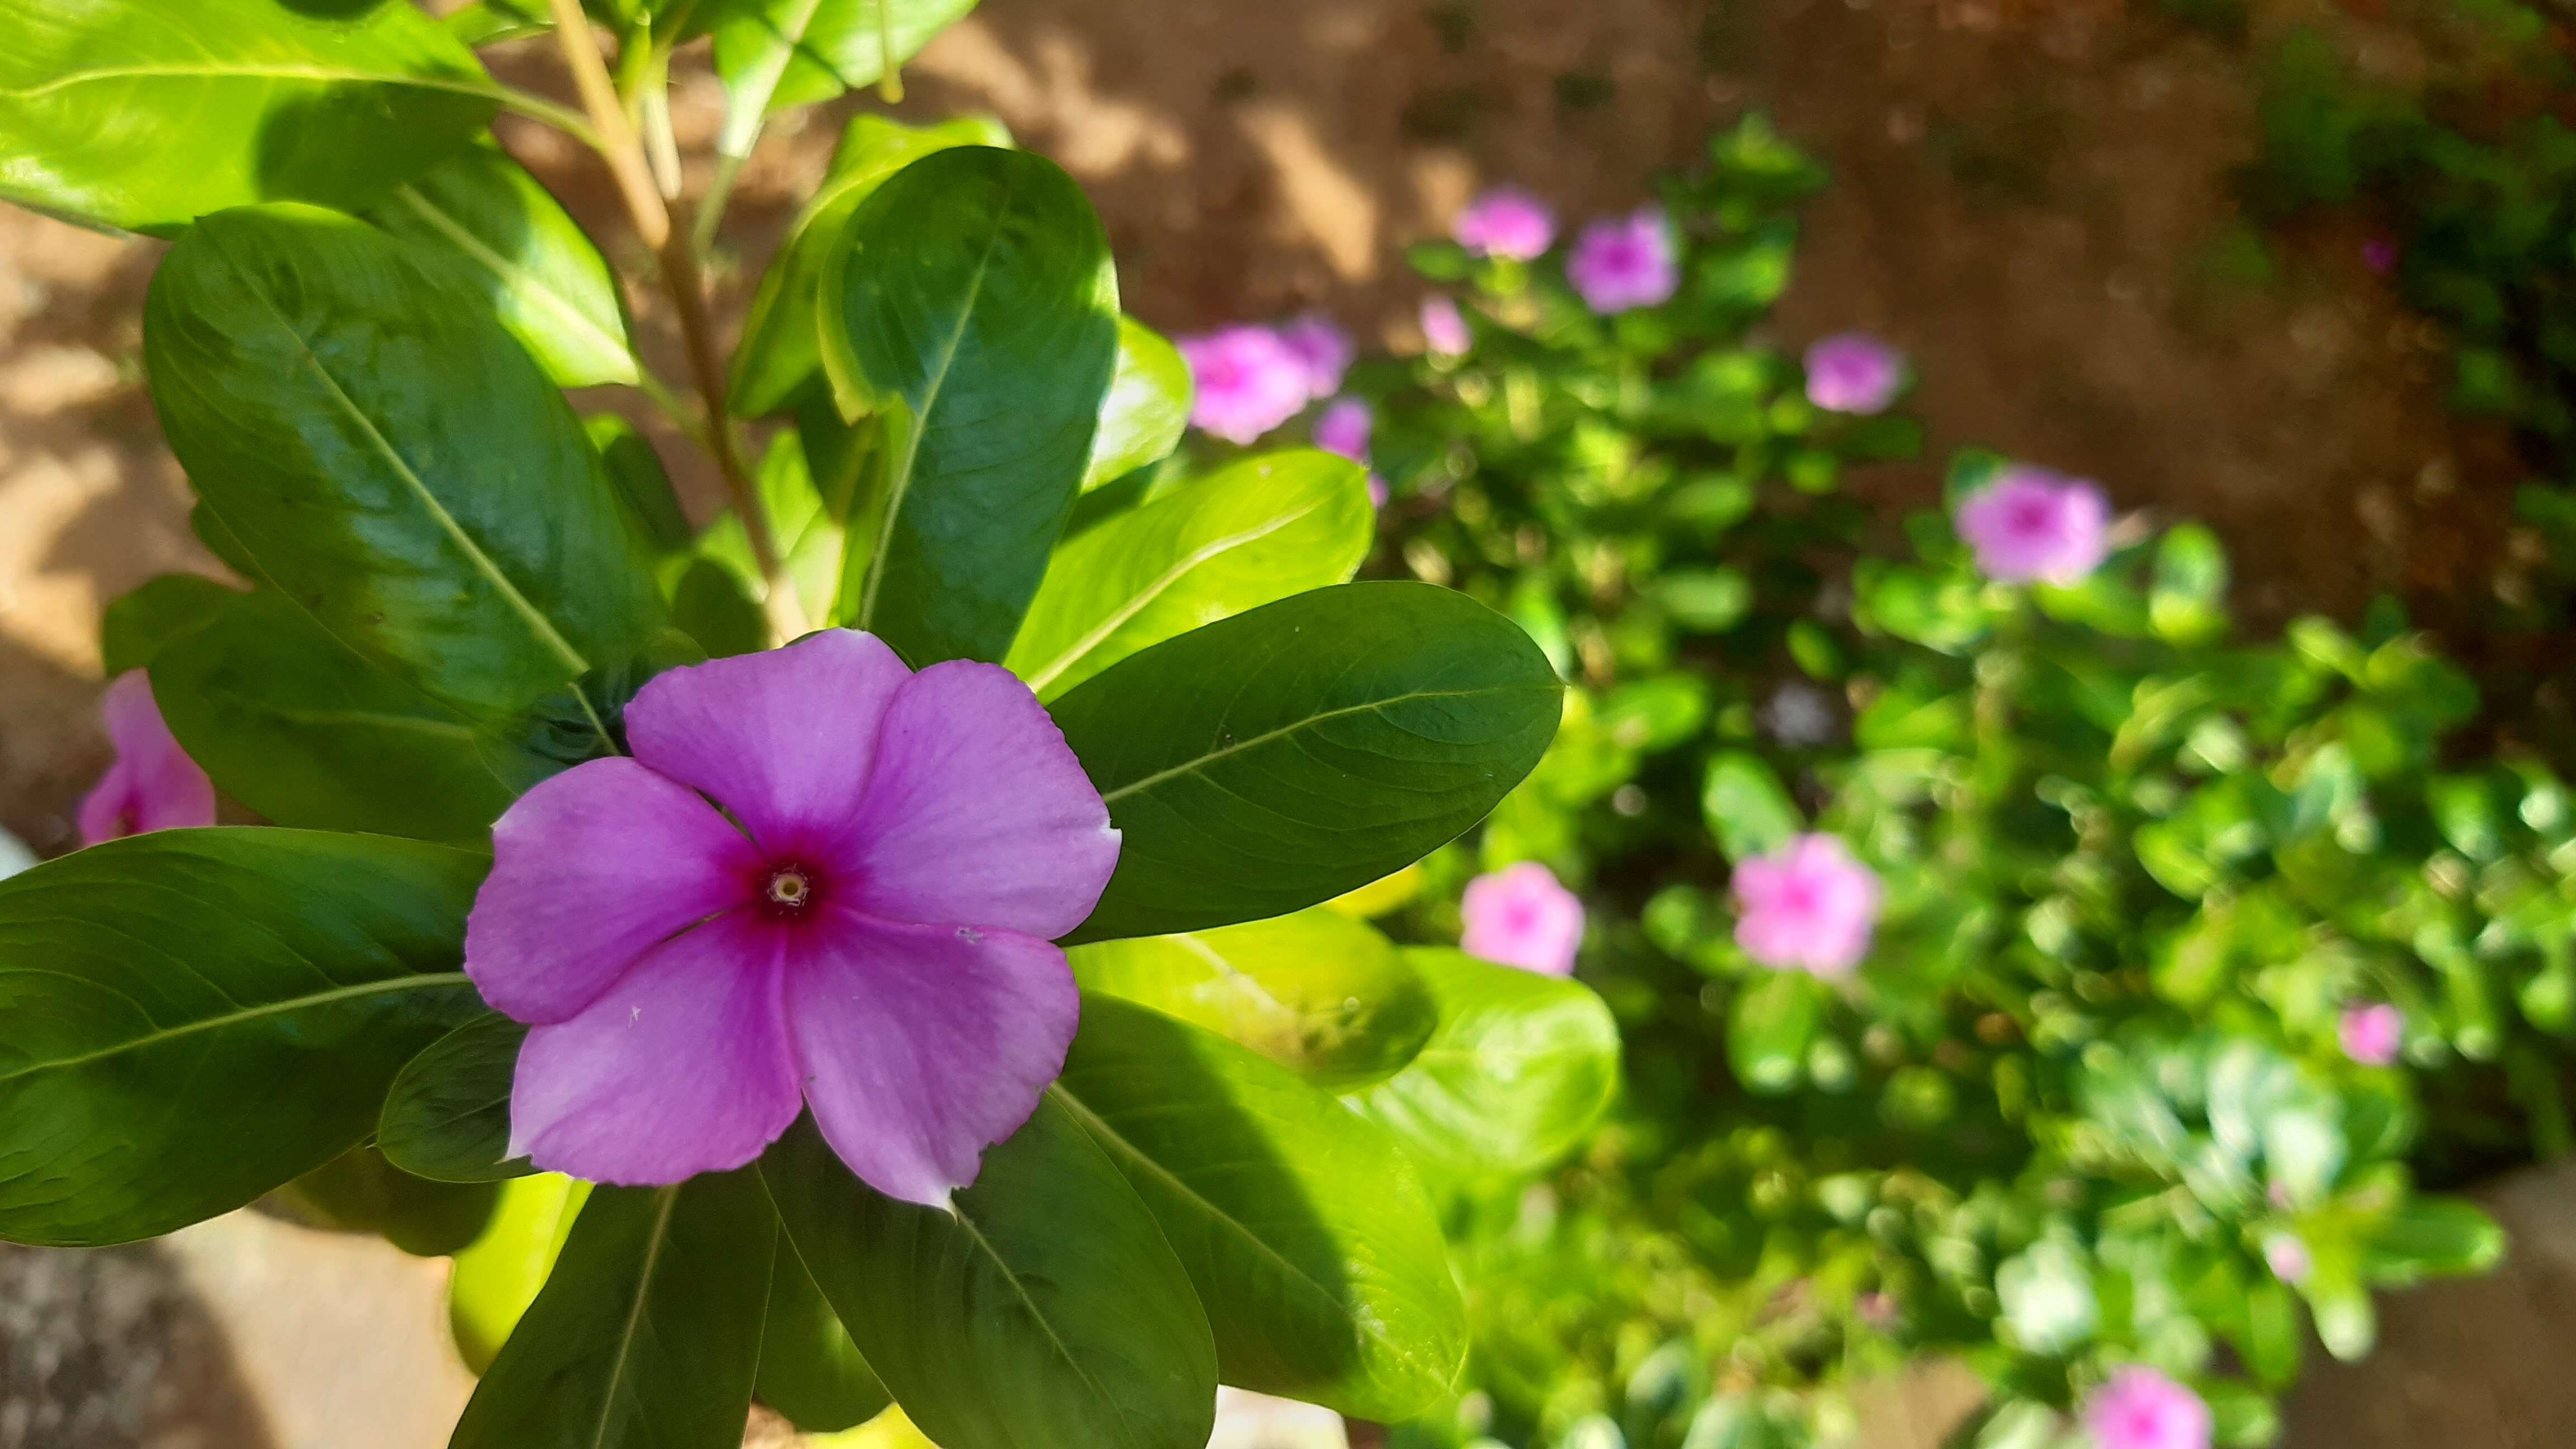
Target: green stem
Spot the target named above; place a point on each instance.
(537, 108)
(889, 70)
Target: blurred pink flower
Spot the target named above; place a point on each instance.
(1344, 428)
(1248, 380)
(1520, 916)
(2031, 524)
(1322, 347)
(1853, 372)
(2142, 1409)
(1444, 327)
(2372, 1034)
(1624, 262)
(2287, 1257)
(152, 785)
(1505, 222)
(1808, 906)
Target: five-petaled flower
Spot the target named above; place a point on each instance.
(823, 880)
(1853, 372)
(1625, 262)
(152, 785)
(2140, 1408)
(1505, 222)
(1248, 381)
(2032, 525)
(1520, 916)
(2372, 1035)
(1808, 906)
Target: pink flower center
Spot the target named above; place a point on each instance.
(2031, 515)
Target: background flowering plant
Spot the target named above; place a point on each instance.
(900, 901)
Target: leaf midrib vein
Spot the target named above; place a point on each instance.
(670, 1197)
(422, 982)
(1198, 762)
(512, 272)
(1063, 1349)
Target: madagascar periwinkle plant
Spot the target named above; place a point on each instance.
(2013, 965)
(876, 947)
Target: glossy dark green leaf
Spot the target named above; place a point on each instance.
(1247, 535)
(777, 53)
(1517, 1072)
(810, 1371)
(140, 621)
(1276, 759)
(971, 302)
(360, 1191)
(781, 352)
(447, 1116)
(1318, 992)
(645, 497)
(1045, 1309)
(496, 1277)
(147, 114)
(1308, 1235)
(273, 981)
(647, 1333)
(382, 451)
(1147, 408)
(482, 215)
(709, 604)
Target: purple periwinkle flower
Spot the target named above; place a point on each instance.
(2287, 1257)
(1248, 381)
(2030, 524)
(1853, 372)
(1323, 348)
(2142, 1409)
(1505, 222)
(1344, 427)
(1625, 261)
(2372, 1034)
(152, 785)
(1444, 327)
(1520, 916)
(1808, 906)
(823, 880)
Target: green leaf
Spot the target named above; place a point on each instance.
(291, 723)
(1043, 1308)
(1746, 806)
(483, 216)
(1317, 992)
(447, 1117)
(273, 981)
(1281, 757)
(810, 1371)
(806, 519)
(489, 22)
(147, 114)
(1304, 1229)
(359, 1191)
(971, 301)
(496, 1277)
(645, 498)
(1768, 1027)
(391, 459)
(647, 1333)
(2188, 602)
(2433, 1237)
(1518, 1070)
(778, 53)
(1147, 408)
(709, 605)
(1246, 535)
(144, 619)
(781, 352)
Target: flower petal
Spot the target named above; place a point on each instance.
(152, 785)
(978, 813)
(680, 1067)
(920, 1046)
(590, 870)
(780, 738)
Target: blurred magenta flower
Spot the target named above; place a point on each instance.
(1625, 261)
(2030, 524)
(1853, 372)
(1520, 916)
(1505, 222)
(2379, 253)
(2287, 1257)
(1343, 428)
(1322, 348)
(152, 785)
(1808, 906)
(1444, 327)
(2371, 1035)
(1248, 381)
(2142, 1409)
(821, 880)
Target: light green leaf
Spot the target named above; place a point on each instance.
(147, 114)
(1318, 992)
(1768, 1027)
(492, 1282)
(270, 980)
(1147, 408)
(778, 53)
(1746, 806)
(1247, 535)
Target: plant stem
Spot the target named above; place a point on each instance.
(537, 108)
(624, 152)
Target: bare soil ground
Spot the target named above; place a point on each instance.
(2034, 197)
